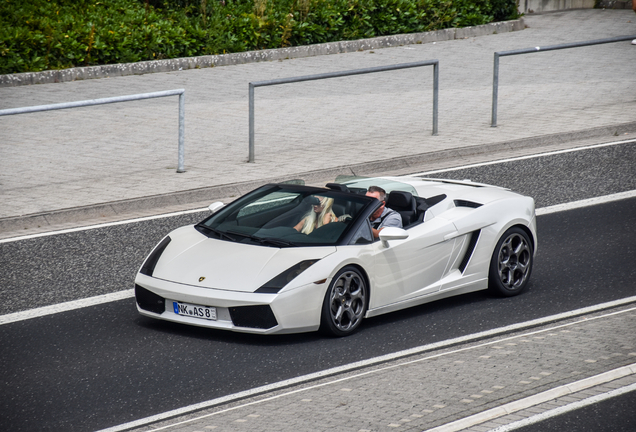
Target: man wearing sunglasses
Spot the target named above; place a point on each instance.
(383, 217)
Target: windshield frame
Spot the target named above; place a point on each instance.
(211, 224)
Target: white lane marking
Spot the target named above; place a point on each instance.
(64, 307)
(565, 409)
(586, 202)
(180, 213)
(540, 398)
(518, 158)
(369, 362)
(102, 225)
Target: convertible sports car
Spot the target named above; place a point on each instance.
(249, 267)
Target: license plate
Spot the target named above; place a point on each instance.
(194, 311)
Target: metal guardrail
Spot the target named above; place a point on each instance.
(495, 78)
(252, 85)
(103, 101)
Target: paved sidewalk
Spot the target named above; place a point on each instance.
(473, 387)
(107, 162)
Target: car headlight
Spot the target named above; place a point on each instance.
(149, 266)
(277, 283)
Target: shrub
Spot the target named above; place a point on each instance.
(55, 34)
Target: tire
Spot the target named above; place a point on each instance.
(511, 263)
(345, 303)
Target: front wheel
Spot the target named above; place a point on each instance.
(345, 303)
(511, 263)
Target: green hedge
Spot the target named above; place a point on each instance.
(38, 35)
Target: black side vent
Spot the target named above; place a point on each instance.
(464, 203)
(259, 316)
(469, 251)
(147, 300)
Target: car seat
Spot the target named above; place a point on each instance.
(403, 203)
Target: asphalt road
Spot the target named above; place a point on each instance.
(59, 268)
(105, 365)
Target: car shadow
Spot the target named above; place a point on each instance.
(223, 336)
(480, 307)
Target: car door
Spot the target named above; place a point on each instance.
(413, 267)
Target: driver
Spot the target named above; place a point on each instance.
(383, 217)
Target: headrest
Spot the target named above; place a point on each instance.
(337, 186)
(400, 199)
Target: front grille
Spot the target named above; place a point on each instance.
(149, 301)
(260, 316)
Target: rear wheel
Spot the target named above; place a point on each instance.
(511, 263)
(345, 303)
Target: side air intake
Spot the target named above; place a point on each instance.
(258, 316)
(147, 300)
(474, 236)
(464, 203)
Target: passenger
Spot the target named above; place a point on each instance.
(319, 215)
(383, 217)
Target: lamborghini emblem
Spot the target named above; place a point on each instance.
(201, 278)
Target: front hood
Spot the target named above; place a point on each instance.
(191, 258)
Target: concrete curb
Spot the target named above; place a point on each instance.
(145, 67)
(211, 193)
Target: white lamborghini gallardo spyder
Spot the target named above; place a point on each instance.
(248, 268)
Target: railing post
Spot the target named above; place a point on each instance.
(495, 91)
(435, 95)
(252, 85)
(251, 120)
(181, 162)
(495, 76)
(116, 99)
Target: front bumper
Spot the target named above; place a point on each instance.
(292, 311)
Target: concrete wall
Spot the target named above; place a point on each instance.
(535, 6)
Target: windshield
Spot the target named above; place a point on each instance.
(288, 215)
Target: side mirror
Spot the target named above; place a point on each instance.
(392, 233)
(216, 206)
